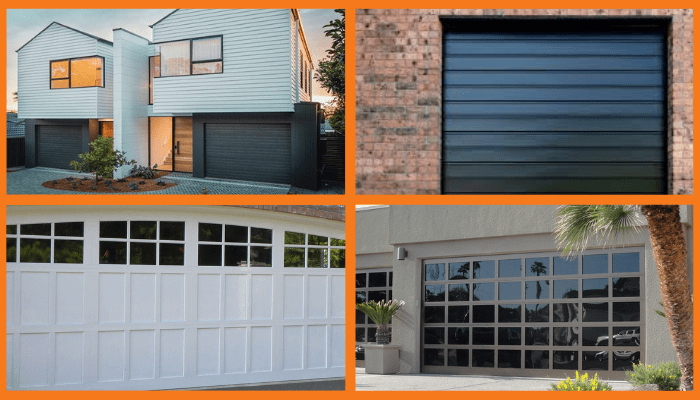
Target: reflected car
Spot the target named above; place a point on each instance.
(618, 355)
(621, 338)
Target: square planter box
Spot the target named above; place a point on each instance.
(382, 359)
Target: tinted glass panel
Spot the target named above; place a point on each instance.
(359, 334)
(433, 315)
(459, 314)
(509, 268)
(510, 336)
(209, 255)
(112, 252)
(566, 289)
(537, 266)
(113, 229)
(509, 291)
(484, 314)
(318, 240)
(484, 269)
(35, 229)
(623, 360)
(238, 234)
(360, 280)
(337, 242)
(565, 360)
(360, 317)
(143, 230)
(210, 232)
(294, 238)
(483, 336)
(536, 312)
(564, 336)
(509, 312)
(565, 266)
(172, 254)
(458, 335)
(172, 230)
(565, 312)
(68, 251)
(434, 292)
(11, 250)
(377, 295)
(458, 292)
(236, 256)
(595, 287)
(35, 250)
(626, 336)
(360, 297)
(537, 359)
(509, 359)
(434, 272)
(260, 256)
(625, 287)
(595, 336)
(595, 312)
(391, 278)
(318, 258)
(74, 229)
(337, 258)
(623, 311)
(434, 357)
(371, 335)
(261, 235)
(595, 360)
(377, 279)
(536, 290)
(482, 358)
(11, 229)
(142, 253)
(434, 335)
(537, 336)
(459, 270)
(595, 264)
(625, 262)
(458, 357)
(484, 291)
(294, 258)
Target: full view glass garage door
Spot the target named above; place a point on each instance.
(534, 314)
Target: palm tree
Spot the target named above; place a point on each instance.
(576, 224)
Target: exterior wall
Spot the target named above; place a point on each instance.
(399, 95)
(131, 97)
(37, 100)
(474, 230)
(295, 43)
(256, 63)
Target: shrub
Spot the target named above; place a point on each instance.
(146, 172)
(582, 383)
(666, 375)
(102, 159)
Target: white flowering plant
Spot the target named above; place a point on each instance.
(382, 312)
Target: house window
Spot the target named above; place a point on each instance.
(60, 243)
(153, 71)
(235, 245)
(313, 251)
(142, 242)
(77, 73)
(190, 57)
(370, 285)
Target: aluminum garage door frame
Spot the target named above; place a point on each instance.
(554, 106)
(58, 145)
(96, 326)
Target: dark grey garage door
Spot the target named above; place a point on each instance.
(255, 152)
(570, 108)
(57, 145)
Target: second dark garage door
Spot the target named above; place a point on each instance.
(58, 145)
(569, 107)
(254, 152)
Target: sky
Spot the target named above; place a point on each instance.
(23, 25)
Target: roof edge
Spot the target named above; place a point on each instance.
(132, 33)
(169, 14)
(99, 39)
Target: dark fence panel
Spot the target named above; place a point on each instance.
(333, 158)
(15, 152)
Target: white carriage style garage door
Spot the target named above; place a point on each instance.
(126, 297)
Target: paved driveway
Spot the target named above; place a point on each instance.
(28, 181)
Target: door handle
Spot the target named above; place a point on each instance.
(177, 147)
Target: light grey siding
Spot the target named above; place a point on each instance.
(256, 64)
(37, 100)
(296, 91)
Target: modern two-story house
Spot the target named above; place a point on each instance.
(216, 93)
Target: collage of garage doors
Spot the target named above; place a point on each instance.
(514, 191)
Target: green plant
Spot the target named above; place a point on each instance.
(381, 312)
(102, 159)
(666, 375)
(331, 70)
(582, 383)
(141, 171)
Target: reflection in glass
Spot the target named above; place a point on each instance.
(434, 293)
(626, 336)
(371, 335)
(68, 251)
(595, 264)
(360, 335)
(565, 289)
(292, 237)
(484, 314)
(172, 230)
(509, 291)
(484, 269)
(113, 229)
(34, 250)
(313, 239)
(11, 250)
(625, 262)
(434, 315)
(337, 242)
(360, 317)
(536, 290)
(434, 272)
(239, 234)
(509, 359)
(263, 235)
(595, 312)
(317, 258)
(458, 335)
(537, 266)
(210, 232)
(35, 229)
(595, 336)
(537, 336)
(459, 314)
(458, 357)
(625, 287)
(458, 292)
(143, 230)
(376, 295)
(509, 312)
(459, 271)
(145, 253)
(536, 312)
(595, 360)
(482, 336)
(623, 360)
(564, 336)
(565, 360)
(434, 357)
(74, 229)
(565, 266)
(294, 257)
(377, 279)
(337, 258)
(11, 230)
(261, 256)
(595, 287)
(209, 255)
(172, 254)
(537, 359)
(509, 336)
(360, 297)
(623, 311)
(509, 268)
(112, 252)
(484, 291)
(360, 280)
(434, 335)
(482, 358)
(565, 312)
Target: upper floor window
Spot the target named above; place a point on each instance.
(190, 57)
(77, 73)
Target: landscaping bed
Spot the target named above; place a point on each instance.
(124, 185)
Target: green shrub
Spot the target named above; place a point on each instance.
(666, 375)
(102, 159)
(582, 383)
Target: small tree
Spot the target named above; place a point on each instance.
(102, 159)
(331, 70)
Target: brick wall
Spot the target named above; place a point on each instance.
(399, 96)
(334, 213)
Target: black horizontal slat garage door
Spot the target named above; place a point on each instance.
(570, 108)
(58, 145)
(253, 152)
